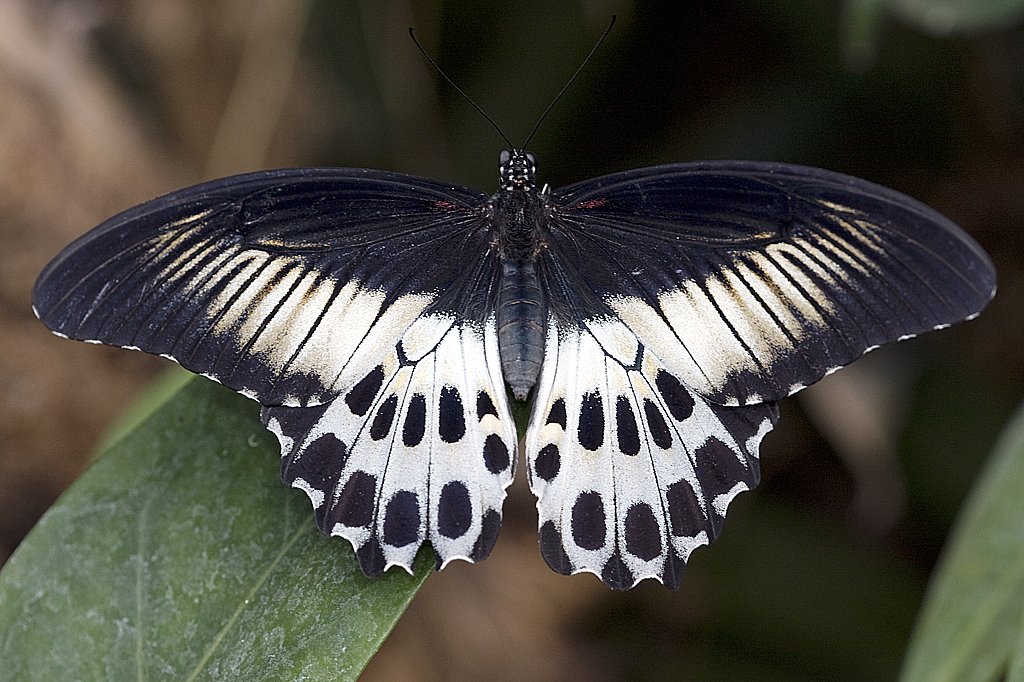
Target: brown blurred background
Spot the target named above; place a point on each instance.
(105, 103)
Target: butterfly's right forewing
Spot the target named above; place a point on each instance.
(754, 279)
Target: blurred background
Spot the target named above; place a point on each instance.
(819, 573)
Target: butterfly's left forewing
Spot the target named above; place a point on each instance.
(356, 306)
(278, 284)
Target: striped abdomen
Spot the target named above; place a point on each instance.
(522, 316)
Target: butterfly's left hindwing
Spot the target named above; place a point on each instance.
(421, 448)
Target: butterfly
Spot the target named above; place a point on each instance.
(386, 323)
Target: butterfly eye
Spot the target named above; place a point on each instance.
(503, 158)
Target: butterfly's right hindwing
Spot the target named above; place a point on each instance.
(632, 469)
(271, 282)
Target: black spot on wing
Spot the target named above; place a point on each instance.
(484, 405)
(489, 527)
(496, 457)
(591, 426)
(718, 467)
(625, 427)
(676, 397)
(385, 416)
(685, 514)
(360, 398)
(355, 504)
(402, 519)
(454, 510)
(643, 538)
(557, 413)
(656, 425)
(319, 463)
(415, 421)
(451, 421)
(588, 521)
(552, 550)
(548, 462)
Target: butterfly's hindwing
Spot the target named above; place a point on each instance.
(632, 470)
(754, 280)
(419, 449)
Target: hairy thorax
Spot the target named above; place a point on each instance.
(518, 219)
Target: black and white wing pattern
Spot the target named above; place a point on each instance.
(675, 305)
(355, 306)
(632, 469)
(684, 300)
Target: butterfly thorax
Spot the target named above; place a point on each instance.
(517, 221)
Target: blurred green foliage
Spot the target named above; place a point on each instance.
(179, 556)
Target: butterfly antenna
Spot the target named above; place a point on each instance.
(569, 82)
(416, 42)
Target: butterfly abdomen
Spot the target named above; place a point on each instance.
(522, 316)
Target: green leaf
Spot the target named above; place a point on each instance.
(179, 555)
(970, 627)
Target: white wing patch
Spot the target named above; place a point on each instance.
(728, 334)
(421, 448)
(632, 469)
(300, 322)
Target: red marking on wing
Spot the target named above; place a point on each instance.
(445, 205)
(592, 203)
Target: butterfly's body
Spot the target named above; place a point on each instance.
(654, 315)
(517, 219)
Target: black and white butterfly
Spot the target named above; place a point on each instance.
(385, 323)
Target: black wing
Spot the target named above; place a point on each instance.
(356, 306)
(269, 282)
(684, 300)
(753, 279)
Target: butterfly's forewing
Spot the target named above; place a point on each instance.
(756, 280)
(356, 305)
(685, 299)
(268, 282)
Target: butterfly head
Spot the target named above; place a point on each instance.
(518, 169)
